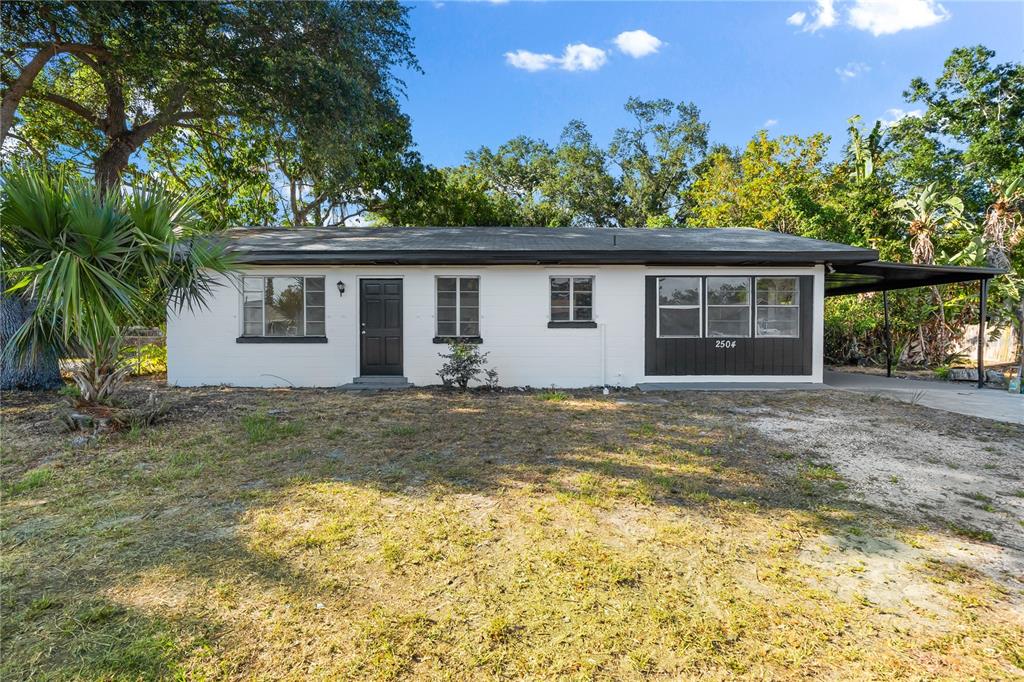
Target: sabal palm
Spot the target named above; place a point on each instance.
(95, 263)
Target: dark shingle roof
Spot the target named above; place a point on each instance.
(516, 245)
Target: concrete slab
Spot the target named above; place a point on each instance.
(966, 399)
(650, 386)
(960, 398)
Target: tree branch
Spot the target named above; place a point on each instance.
(72, 106)
(20, 86)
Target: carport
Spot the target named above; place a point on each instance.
(857, 278)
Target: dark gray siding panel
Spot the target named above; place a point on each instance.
(750, 357)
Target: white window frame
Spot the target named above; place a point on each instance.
(796, 305)
(699, 306)
(263, 302)
(458, 307)
(572, 297)
(748, 305)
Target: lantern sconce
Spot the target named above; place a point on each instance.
(341, 288)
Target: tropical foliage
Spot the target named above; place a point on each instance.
(95, 263)
(211, 105)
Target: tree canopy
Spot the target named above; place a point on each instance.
(248, 95)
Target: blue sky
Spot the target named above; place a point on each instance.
(795, 67)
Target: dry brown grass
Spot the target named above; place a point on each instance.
(322, 535)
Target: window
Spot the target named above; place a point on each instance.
(679, 307)
(728, 306)
(283, 306)
(778, 307)
(572, 299)
(458, 306)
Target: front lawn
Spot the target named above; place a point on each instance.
(307, 534)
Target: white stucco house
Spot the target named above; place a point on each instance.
(552, 306)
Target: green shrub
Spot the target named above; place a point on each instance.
(464, 363)
(148, 359)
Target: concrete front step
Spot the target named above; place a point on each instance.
(379, 379)
(377, 383)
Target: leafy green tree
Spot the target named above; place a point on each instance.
(522, 171)
(771, 185)
(101, 80)
(655, 160)
(581, 185)
(455, 197)
(971, 130)
(92, 264)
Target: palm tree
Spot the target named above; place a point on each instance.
(1004, 232)
(928, 214)
(93, 264)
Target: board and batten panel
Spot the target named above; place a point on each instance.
(729, 356)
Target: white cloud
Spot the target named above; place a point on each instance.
(883, 17)
(576, 57)
(637, 43)
(822, 16)
(879, 17)
(530, 61)
(771, 123)
(852, 70)
(895, 115)
(583, 57)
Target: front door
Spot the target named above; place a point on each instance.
(380, 327)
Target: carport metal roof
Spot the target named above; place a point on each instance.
(858, 278)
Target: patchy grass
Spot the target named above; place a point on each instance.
(970, 532)
(30, 480)
(264, 428)
(468, 536)
(554, 396)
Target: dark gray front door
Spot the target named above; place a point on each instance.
(380, 327)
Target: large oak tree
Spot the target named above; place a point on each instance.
(102, 79)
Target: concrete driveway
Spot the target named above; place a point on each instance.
(962, 398)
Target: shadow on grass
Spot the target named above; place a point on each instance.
(191, 503)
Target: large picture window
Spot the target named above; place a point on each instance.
(283, 306)
(778, 307)
(728, 306)
(572, 299)
(458, 307)
(679, 307)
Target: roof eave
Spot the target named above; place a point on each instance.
(291, 257)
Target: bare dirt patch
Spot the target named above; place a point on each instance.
(917, 464)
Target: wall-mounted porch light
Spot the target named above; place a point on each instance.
(341, 288)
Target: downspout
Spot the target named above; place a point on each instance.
(604, 359)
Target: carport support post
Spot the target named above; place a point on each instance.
(982, 314)
(888, 333)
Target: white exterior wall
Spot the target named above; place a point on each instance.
(514, 312)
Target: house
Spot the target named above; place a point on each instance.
(566, 307)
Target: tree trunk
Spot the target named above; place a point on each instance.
(111, 163)
(41, 374)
